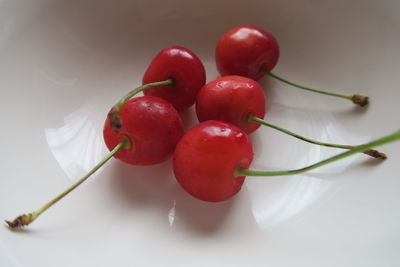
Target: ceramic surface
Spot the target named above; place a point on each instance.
(63, 63)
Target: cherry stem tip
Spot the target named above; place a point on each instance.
(20, 221)
(360, 100)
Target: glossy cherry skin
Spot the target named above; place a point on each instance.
(184, 67)
(231, 99)
(206, 158)
(244, 50)
(153, 127)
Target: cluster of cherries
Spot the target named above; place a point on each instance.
(211, 160)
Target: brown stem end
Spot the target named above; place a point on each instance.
(376, 154)
(360, 100)
(114, 117)
(20, 221)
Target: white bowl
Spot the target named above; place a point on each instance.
(64, 63)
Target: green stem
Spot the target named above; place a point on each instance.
(26, 219)
(381, 141)
(356, 99)
(371, 152)
(137, 90)
(114, 114)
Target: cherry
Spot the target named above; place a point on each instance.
(253, 52)
(153, 127)
(211, 160)
(231, 99)
(150, 131)
(184, 68)
(206, 158)
(241, 101)
(244, 50)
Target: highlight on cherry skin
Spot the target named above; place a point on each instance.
(211, 160)
(175, 74)
(207, 157)
(242, 102)
(253, 52)
(154, 127)
(185, 69)
(151, 128)
(232, 99)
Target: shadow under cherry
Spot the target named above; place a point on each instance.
(154, 189)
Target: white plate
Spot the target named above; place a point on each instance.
(63, 63)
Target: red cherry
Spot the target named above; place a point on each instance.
(153, 127)
(206, 158)
(241, 101)
(231, 99)
(211, 160)
(186, 70)
(150, 131)
(253, 52)
(245, 50)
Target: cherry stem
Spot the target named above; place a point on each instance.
(356, 98)
(114, 114)
(370, 152)
(381, 141)
(26, 219)
(137, 90)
